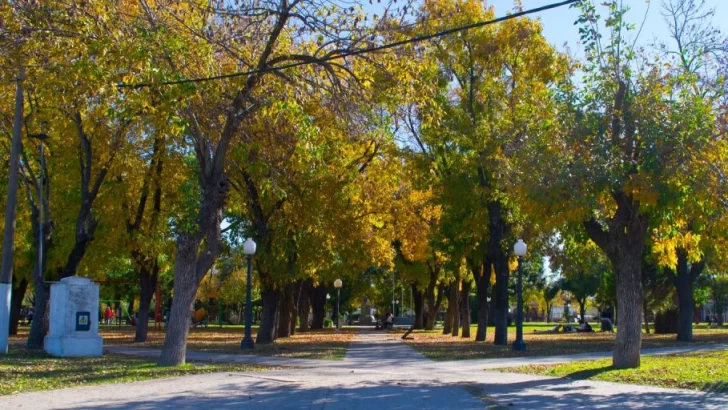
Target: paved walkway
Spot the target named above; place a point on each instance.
(365, 380)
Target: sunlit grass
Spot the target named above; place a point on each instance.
(24, 371)
(705, 371)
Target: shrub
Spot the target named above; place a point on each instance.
(328, 323)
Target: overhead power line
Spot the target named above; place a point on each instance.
(350, 53)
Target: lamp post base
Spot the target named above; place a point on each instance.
(247, 343)
(519, 346)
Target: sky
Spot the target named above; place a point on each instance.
(559, 28)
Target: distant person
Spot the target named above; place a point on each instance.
(585, 327)
(29, 315)
(389, 321)
(607, 325)
(108, 314)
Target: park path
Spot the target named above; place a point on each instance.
(378, 372)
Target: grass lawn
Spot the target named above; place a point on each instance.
(324, 344)
(705, 371)
(24, 371)
(437, 346)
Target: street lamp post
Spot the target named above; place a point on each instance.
(249, 251)
(337, 285)
(520, 251)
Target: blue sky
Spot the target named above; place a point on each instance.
(559, 25)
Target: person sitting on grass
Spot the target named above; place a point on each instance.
(584, 327)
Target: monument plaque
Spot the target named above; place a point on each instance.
(74, 310)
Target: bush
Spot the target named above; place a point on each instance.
(328, 323)
(666, 322)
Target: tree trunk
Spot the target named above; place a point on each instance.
(582, 309)
(623, 241)
(185, 289)
(147, 285)
(684, 281)
(433, 302)
(304, 304)
(40, 293)
(455, 302)
(482, 287)
(267, 331)
(548, 312)
(296, 302)
(645, 312)
(501, 303)
(447, 324)
(629, 299)
(419, 296)
(286, 310)
(38, 327)
(318, 306)
(498, 230)
(11, 205)
(465, 308)
(16, 302)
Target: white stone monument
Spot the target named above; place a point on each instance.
(74, 324)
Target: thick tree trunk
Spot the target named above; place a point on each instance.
(498, 230)
(419, 296)
(185, 289)
(16, 302)
(455, 301)
(501, 303)
(38, 327)
(318, 306)
(304, 304)
(465, 308)
(582, 309)
(286, 310)
(147, 285)
(447, 324)
(684, 281)
(629, 299)
(482, 287)
(267, 331)
(623, 241)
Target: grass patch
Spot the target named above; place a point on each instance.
(325, 344)
(706, 371)
(24, 371)
(437, 346)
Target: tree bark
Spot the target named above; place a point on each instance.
(623, 240)
(455, 301)
(185, 289)
(267, 332)
(304, 304)
(465, 308)
(16, 302)
(419, 296)
(498, 230)
(318, 306)
(433, 302)
(447, 324)
(482, 287)
(147, 286)
(684, 281)
(286, 313)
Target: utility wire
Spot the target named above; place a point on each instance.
(367, 50)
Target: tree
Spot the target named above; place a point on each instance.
(617, 160)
